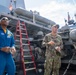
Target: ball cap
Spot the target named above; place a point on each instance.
(56, 25)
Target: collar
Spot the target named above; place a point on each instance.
(2, 29)
(53, 36)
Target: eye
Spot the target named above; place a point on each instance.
(5, 19)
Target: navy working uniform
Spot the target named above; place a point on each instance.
(53, 57)
(54, 44)
(6, 59)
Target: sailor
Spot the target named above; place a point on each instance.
(7, 48)
(54, 44)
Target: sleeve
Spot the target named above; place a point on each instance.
(12, 41)
(61, 43)
(45, 41)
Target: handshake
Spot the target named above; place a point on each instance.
(9, 50)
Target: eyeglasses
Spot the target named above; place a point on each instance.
(5, 19)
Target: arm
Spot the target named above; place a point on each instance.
(13, 50)
(61, 43)
(12, 41)
(45, 41)
(5, 49)
(59, 46)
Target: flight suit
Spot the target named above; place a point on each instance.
(6, 59)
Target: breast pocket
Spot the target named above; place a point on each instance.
(58, 41)
(8, 40)
(2, 43)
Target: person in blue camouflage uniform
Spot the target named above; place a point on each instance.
(54, 44)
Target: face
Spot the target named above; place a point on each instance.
(5, 22)
(55, 29)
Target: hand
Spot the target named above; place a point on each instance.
(51, 43)
(5, 49)
(58, 48)
(13, 50)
